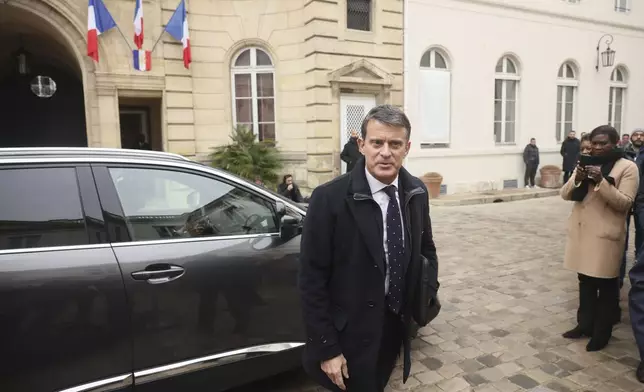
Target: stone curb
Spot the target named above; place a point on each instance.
(496, 198)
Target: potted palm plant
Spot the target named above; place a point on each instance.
(248, 157)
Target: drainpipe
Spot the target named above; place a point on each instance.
(405, 51)
(405, 61)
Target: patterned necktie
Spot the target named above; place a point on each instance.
(395, 252)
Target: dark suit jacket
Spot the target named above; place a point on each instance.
(351, 153)
(636, 302)
(570, 153)
(342, 270)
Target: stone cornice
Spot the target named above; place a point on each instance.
(558, 15)
(345, 75)
(106, 80)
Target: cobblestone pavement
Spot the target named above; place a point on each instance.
(506, 301)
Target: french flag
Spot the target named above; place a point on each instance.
(142, 60)
(138, 24)
(177, 27)
(99, 20)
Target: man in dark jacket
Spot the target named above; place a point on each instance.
(570, 153)
(636, 303)
(362, 242)
(635, 151)
(531, 160)
(289, 189)
(351, 153)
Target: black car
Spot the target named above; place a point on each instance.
(129, 270)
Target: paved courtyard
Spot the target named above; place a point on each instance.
(506, 301)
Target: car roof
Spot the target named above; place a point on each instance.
(86, 152)
(89, 154)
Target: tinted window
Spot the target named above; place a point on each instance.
(40, 208)
(163, 204)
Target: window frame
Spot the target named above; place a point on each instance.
(433, 52)
(253, 70)
(625, 8)
(371, 17)
(432, 60)
(107, 182)
(613, 89)
(90, 211)
(505, 77)
(563, 81)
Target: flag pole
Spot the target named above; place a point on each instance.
(165, 27)
(123, 35)
(158, 39)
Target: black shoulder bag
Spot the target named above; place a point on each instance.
(426, 304)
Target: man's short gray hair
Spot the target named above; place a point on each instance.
(388, 115)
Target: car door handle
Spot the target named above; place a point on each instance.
(159, 273)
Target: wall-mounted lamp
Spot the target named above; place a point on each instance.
(22, 58)
(608, 56)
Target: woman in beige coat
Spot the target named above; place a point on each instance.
(603, 187)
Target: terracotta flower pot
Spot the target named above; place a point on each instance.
(550, 176)
(433, 182)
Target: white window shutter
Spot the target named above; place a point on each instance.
(434, 106)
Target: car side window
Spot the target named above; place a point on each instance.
(164, 204)
(40, 207)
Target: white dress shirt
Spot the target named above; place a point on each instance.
(379, 195)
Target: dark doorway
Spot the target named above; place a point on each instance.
(140, 120)
(29, 117)
(42, 103)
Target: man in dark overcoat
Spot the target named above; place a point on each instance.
(351, 151)
(570, 153)
(363, 238)
(636, 305)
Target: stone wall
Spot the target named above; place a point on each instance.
(315, 57)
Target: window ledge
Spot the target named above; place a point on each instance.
(359, 35)
(425, 145)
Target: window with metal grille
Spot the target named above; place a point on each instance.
(359, 15)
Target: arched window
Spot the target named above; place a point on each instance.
(506, 88)
(435, 98)
(567, 83)
(433, 59)
(253, 86)
(617, 97)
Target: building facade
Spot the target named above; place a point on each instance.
(485, 76)
(301, 72)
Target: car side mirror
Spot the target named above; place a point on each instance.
(290, 227)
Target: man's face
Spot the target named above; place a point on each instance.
(289, 180)
(637, 138)
(571, 134)
(385, 147)
(601, 145)
(354, 134)
(625, 139)
(533, 142)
